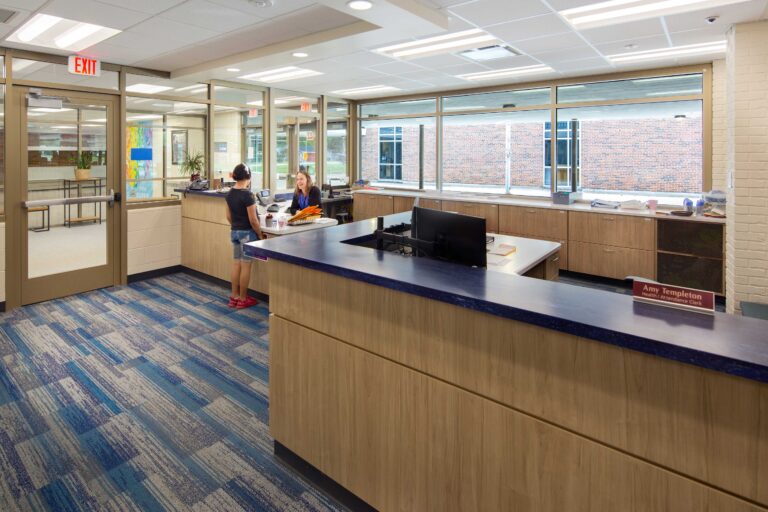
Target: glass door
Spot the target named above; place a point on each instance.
(69, 175)
(296, 139)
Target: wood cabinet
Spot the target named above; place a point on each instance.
(610, 261)
(368, 206)
(402, 203)
(548, 269)
(612, 230)
(489, 212)
(434, 204)
(538, 223)
(691, 254)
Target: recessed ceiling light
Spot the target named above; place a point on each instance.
(456, 41)
(147, 88)
(359, 5)
(365, 90)
(622, 11)
(281, 74)
(506, 73)
(300, 54)
(665, 53)
(233, 70)
(60, 33)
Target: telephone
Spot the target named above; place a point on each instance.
(198, 184)
(264, 196)
(274, 207)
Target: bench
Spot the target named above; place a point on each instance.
(46, 217)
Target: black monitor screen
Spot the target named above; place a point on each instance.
(457, 238)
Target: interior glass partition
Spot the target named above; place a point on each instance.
(336, 143)
(238, 131)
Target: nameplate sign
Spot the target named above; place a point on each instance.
(84, 66)
(674, 296)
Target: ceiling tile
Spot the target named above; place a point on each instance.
(593, 65)
(511, 62)
(729, 15)
(172, 30)
(549, 43)
(364, 58)
(567, 54)
(647, 43)
(278, 9)
(561, 5)
(491, 12)
(120, 54)
(531, 28)
(148, 6)
(705, 35)
(395, 68)
(624, 32)
(94, 12)
(446, 3)
(210, 16)
(464, 68)
(440, 61)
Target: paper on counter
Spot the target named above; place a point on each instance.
(502, 249)
(496, 260)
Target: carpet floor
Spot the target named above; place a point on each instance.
(152, 396)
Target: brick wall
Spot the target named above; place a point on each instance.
(719, 125)
(747, 162)
(662, 155)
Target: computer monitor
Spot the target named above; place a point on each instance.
(454, 237)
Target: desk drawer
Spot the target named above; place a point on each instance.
(489, 212)
(534, 222)
(613, 230)
(609, 261)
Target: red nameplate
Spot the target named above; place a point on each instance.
(674, 296)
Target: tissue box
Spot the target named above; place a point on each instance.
(564, 197)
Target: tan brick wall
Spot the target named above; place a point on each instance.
(719, 125)
(747, 158)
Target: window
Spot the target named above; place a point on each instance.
(336, 153)
(655, 87)
(565, 134)
(391, 153)
(499, 153)
(497, 100)
(399, 152)
(637, 150)
(238, 131)
(399, 108)
(159, 135)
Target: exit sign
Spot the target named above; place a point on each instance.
(84, 66)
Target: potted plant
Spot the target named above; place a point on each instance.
(83, 163)
(192, 164)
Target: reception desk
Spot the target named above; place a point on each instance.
(427, 386)
(205, 240)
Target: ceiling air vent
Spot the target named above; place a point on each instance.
(496, 51)
(6, 15)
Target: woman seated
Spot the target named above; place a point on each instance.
(305, 194)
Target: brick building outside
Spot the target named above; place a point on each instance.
(669, 150)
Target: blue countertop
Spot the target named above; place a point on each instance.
(727, 343)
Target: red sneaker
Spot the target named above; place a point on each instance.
(232, 302)
(248, 302)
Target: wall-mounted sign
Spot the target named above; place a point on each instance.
(674, 296)
(306, 107)
(84, 66)
(254, 112)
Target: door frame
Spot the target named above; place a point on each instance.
(16, 216)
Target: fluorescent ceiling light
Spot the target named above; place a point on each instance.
(665, 53)
(36, 26)
(147, 88)
(257, 103)
(359, 5)
(64, 127)
(675, 93)
(289, 99)
(50, 110)
(233, 70)
(76, 34)
(464, 40)
(144, 116)
(281, 74)
(366, 90)
(60, 33)
(622, 11)
(300, 55)
(506, 73)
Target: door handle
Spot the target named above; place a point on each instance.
(111, 198)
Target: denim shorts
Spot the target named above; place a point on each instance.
(238, 237)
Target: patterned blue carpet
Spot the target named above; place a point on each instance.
(151, 396)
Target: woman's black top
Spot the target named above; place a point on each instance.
(314, 199)
(238, 200)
